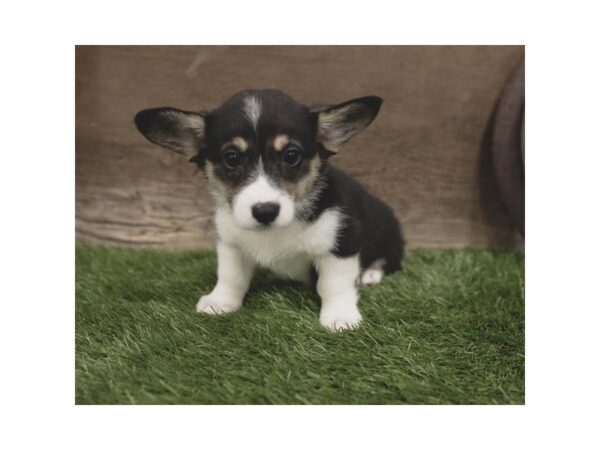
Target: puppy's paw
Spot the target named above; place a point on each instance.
(371, 276)
(340, 318)
(212, 304)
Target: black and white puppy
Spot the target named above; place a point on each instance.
(279, 203)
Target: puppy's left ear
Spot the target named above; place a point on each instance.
(338, 124)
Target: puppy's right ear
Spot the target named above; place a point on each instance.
(180, 131)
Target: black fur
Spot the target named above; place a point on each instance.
(369, 229)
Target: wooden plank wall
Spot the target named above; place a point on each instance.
(426, 154)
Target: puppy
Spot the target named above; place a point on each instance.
(279, 203)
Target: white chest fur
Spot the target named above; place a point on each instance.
(288, 251)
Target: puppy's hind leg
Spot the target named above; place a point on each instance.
(374, 273)
(235, 271)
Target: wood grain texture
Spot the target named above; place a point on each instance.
(425, 154)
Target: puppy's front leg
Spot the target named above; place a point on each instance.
(337, 288)
(234, 274)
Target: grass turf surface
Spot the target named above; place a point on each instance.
(449, 328)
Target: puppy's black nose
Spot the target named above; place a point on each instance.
(265, 213)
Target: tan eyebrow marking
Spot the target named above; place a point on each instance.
(240, 143)
(280, 141)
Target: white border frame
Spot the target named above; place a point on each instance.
(37, 177)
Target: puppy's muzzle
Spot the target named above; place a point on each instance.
(265, 213)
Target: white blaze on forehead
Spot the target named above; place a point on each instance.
(252, 108)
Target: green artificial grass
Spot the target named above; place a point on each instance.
(448, 329)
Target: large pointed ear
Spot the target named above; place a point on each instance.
(180, 131)
(338, 124)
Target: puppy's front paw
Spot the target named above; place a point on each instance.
(340, 318)
(212, 304)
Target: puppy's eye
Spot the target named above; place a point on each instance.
(232, 159)
(292, 157)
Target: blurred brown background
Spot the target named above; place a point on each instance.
(427, 154)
